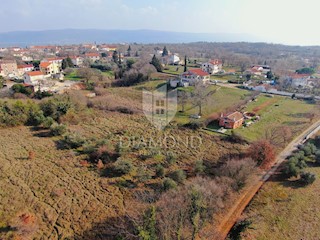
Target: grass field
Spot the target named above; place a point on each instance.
(277, 111)
(285, 210)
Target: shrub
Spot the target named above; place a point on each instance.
(168, 184)
(194, 125)
(123, 166)
(199, 167)
(262, 152)
(57, 129)
(160, 171)
(318, 157)
(309, 149)
(47, 122)
(237, 170)
(179, 176)
(307, 178)
(73, 140)
(20, 88)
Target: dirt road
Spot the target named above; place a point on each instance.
(235, 212)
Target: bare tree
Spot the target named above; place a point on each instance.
(200, 95)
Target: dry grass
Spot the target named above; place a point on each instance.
(285, 210)
(66, 199)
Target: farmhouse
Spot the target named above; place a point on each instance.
(231, 120)
(212, 67)
(193, 75)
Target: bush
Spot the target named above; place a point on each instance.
(178, 176)
(57, 129)
(20, 88)
(123, 166)
(309, 149)
(237, 170)
(307, 178)
(160, 171)
(262, 152)
(199, 167)
(194, 125)
(318, 157)
(168, 184)
(73, 140)
(47, 122)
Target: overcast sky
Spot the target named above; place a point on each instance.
(284, 21)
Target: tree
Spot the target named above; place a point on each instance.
(185, 63)
(248, 77)
(129, 51)
(165, 52)
(64, 64)
(305, 71)
(307, 178)
(87, 74)
(269, 75)
(183, 99)
(115, 56)
(69, 62)
(200, 95)
(262, 152)
(156, 63)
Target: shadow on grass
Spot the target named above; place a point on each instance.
(6, 229)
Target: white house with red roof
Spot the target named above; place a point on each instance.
(76, 60)
(212, 66)
(22, 69)
(193, 75)
(298, 80)
(33, 78)
(92, 56)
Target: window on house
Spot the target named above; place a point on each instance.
(157, 103)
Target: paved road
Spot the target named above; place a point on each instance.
(236, 210)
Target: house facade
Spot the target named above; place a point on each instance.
(212, 66)
(49, 68)
(194, 75)
(231, 120)
(22, 69)
(8, 68)
(174, 59)
(92, 56)
(298, 80)
(33, 78)
(77, 61)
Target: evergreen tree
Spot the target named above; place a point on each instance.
(185, 64)
(137, 54)
(64, 64)
(69, 62)
(165, 52)
(156, 63)
(115, 56)
(129, 51)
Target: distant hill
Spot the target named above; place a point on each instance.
(76, 36)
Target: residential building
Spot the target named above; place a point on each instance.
(107, 48)
(50, 68)
(212, 66)
(174, 59)
(232, 120)
(76, 60)
(258, 70)
(193, 75)
(92, 56)
(56, 60)
(26, 58)
(22, 69)
(8, 68)
(33, 78)
(298, 80)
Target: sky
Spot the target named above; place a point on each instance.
(279, 21)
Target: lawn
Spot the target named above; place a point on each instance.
(285, 210)
(278, 111)
(175, 70)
